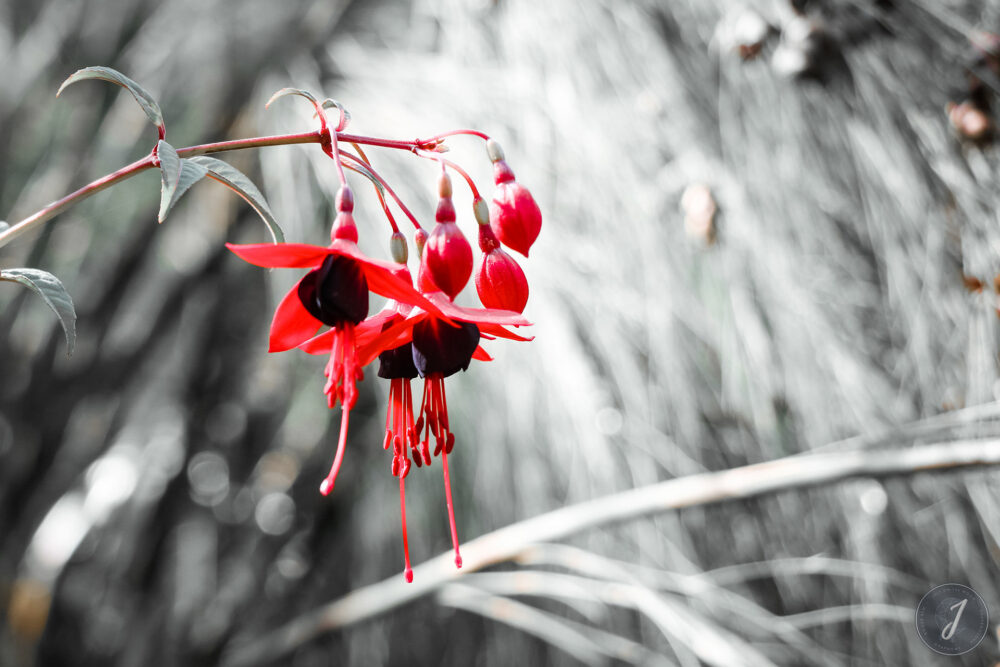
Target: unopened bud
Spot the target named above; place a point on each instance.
(345, 199)
(482, 211)
(494, 150)
(398, 248)
(419, 239)
(444, 186)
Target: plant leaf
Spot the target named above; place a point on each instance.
(238, 182)
(55, 295)
(170, 176)
(345, 115)
(293, 91)
(144, 99)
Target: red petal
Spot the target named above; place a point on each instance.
(398, 334)
(500, 332)
(320, 344)
(292, 323)
(372, 326)
(281, 255)
(481, 355)
(476, 315)
(388, 285)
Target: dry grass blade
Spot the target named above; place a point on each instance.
(511, 541)
(525, 617)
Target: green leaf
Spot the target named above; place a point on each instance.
(144, 99)
(55, 295)
(238, 182)
(170, 176)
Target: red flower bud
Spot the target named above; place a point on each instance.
(447, 255)
(343, 224)
(500, 282)
(515, 216)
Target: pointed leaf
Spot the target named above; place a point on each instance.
(170, 176)
(191, 173)
(55, 295)
(144, 99)
(238, 182)
(293, 91)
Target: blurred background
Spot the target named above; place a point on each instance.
(766, 233)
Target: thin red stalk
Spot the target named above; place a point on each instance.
(434, 156)
(438, 137)
(392, 193)
(378, 191)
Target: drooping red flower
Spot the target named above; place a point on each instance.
(334, 293)
(439, 345)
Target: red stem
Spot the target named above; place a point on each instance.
(434, 156)
(148, 162)
(381, 181)
(438, 137)
(378, 191)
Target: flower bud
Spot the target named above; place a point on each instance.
(419, 239)
(345, 199)
(397, 247)
(500, 282)
(344, 227)
(447, 256)
(515, 216)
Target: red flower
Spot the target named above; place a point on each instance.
(433, 346)
(334, 293)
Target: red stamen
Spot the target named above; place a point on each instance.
(327, 486)
(408, 571)
(451, 509)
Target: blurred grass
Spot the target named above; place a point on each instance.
(832, 305)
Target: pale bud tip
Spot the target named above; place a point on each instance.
(494, 150)
(481, 210)
(444, 186)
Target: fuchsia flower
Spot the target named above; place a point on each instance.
(433, 344)
(420, 332)
(334, 293)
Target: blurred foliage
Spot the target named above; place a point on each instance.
(158, 489)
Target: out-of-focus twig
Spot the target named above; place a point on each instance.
(507, 543)
(527, 618)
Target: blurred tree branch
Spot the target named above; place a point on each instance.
(510, 542)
